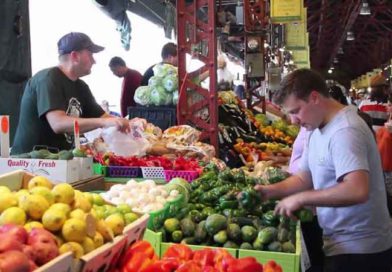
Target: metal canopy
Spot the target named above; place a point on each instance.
(328, 24)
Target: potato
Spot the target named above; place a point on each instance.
(39, 235)
(15, 261)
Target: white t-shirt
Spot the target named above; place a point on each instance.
(344, 145)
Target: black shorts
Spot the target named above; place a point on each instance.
(375, 262)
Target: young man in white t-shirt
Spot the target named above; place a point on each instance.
(340, 175)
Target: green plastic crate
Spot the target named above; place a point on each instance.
(232, 251)
(155, 239)
(290, 262)
(99, 169)
(175, 205)
(157, 218)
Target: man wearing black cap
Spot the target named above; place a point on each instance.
(55, 97)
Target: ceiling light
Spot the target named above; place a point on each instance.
(340, 51)
(350, 36)
(335, 60)
(329, 71)
(365, 9)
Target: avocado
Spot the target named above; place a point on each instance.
(214, 223)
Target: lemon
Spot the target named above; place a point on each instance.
(74, 230)
(34, 206)
(39, 181)
(4, 189)
(21, 193)
(63, 193)
(89, 197)
(98, 200)
(130, 217)
(98, 239)
(43, 191)
(62, 207)
(116, 223)
(7, 200)
(88, 245)
(77, 213)
(33, 224)
(53, 219)
(13, 215)
(76, 249)
(81, 203)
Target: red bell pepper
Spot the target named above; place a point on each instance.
(204, 257)
(222, 259)
(166, 265)
(245, 264)
(209, 268)
(138, 247)
(179, 251)
(190, 266)
(137, 262)
(272, 266)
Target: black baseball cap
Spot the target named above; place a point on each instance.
(76, 41)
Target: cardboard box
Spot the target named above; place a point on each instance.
(135, 231)
(57, 171)
(86, 167)
(104, 257)
(62, 263)
(17, 180)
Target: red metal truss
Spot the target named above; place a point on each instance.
(255, 22)
(198, 106)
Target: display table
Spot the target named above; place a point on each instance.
(94, 183)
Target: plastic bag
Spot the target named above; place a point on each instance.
(125, 144)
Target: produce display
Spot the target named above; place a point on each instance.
(140, 257)
(246, 138)
(68, 219)
(216, 216)
(162, 89)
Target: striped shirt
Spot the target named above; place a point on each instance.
(378, 112)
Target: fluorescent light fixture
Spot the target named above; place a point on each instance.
(365, 9)
(350, 36)
(335, 60)
(329, 71)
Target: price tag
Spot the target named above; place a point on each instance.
(76, 134)
(4, 136)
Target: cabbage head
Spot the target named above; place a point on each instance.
(142, 95)
(159, 96)
(170, 82)
(154, 81)
(163, 69)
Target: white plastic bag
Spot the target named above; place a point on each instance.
(123, 144)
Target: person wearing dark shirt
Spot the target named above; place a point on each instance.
(55, 97)
(131, 82)
(168, 54)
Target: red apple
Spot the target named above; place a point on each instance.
(9, 243)
(14, 261)
(39, 235)
(18, 232)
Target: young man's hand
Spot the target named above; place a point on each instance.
(289, 205)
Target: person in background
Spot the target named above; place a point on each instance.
(56, 97)
(224, 77)
(340, 174)
(106, 107)
(168, 54)
(132, 80)
(376, 104)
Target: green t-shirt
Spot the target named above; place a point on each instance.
(46, 91)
